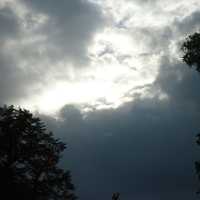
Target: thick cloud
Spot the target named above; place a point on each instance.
(180, 83)
(12, 80)
(145, 149)
(77, 21)
(8, 23)
(37, 37)
(189, 23)
(44, 42)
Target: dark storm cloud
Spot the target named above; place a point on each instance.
(145, 149)
(179, 82)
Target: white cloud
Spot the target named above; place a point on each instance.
(99, 49)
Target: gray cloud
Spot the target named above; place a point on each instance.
(8, 23)
(179, 82)
(188, 24)
(77, 21)
(145, 149)
(30, 50)
(12, 79)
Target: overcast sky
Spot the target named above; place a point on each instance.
(107, 77)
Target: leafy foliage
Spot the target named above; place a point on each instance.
(29, 157)
(191, 51)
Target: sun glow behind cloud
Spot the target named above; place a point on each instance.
(105, 87)
(116, 67)
(123, 56)
(119, 62)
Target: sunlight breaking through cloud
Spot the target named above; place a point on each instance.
(103, 50)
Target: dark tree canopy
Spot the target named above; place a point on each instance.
(191, 51)
(29, 157)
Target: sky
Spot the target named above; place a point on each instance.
(107, 78)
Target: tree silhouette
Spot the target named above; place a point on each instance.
(29, 157)
(191, 51)
(191, 56)
(115, 196)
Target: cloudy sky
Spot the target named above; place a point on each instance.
(107, 78)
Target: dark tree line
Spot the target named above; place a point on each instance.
(29, 157)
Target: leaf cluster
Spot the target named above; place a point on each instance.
(29, 157)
